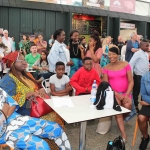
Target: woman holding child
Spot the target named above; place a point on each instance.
(21, 85)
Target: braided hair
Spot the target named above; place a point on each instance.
(57, 33)
(71, 33)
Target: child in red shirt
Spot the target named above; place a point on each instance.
(83, 79)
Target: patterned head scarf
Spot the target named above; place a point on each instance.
(11, 58)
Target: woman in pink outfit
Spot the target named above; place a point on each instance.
(119, 75)
(94, 51)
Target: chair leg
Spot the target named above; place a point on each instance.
(135, 132)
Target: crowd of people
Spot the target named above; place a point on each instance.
(74, 65)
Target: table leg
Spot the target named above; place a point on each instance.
(82, 138)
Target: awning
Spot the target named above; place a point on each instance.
(133, 17)
(94, 11)
(144, 18)
(59, 8)
(72, 9)
(113, 14)
(78, 10)
(102, 12)
(86, 10)
(123, 15)
(65, 8)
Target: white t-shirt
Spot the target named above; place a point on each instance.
(60, 84)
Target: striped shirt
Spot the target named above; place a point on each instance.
(140, 62)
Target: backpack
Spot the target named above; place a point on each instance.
(101, 96)
(117, 144)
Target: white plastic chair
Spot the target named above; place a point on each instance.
(46, 86)
(6, 70)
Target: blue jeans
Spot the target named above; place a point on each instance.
(45, 75)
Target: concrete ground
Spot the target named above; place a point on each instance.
(95, 141)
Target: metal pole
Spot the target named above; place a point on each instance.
(82, 138)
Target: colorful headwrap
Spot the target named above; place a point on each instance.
(10, 58)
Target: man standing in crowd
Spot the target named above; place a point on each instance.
(132, 47)
(140, 65)
(41, 44)
(8, 42)
(119, 43)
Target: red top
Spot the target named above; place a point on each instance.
(83, 79)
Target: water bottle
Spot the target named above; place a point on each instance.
(94, 83)
(93, 94)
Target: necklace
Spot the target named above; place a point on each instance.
(75, 54)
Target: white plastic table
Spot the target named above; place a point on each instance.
(81, 112)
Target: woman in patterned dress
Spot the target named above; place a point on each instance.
(21, 85)
(24, 132)
(24, 45)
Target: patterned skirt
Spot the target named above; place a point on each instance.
(54, 117)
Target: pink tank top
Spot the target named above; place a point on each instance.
(118, 79)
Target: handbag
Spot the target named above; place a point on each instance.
(105, 97)
(39, 107)
(117, 144)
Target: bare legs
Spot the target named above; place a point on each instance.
(143, 125)
(120, 118)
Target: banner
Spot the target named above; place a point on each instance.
(127, 25)
(126, 6)
(65, 2)
(94, 3)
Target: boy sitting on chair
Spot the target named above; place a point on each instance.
(83, 79)
(59, 82)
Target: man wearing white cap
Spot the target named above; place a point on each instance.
(8, 42)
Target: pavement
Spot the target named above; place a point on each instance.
(95, 141)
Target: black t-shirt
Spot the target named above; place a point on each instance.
(74, 51)
(119, 44)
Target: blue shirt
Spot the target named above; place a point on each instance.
(56, 54)
(140, 62)
(130, 45)
(145, 87)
